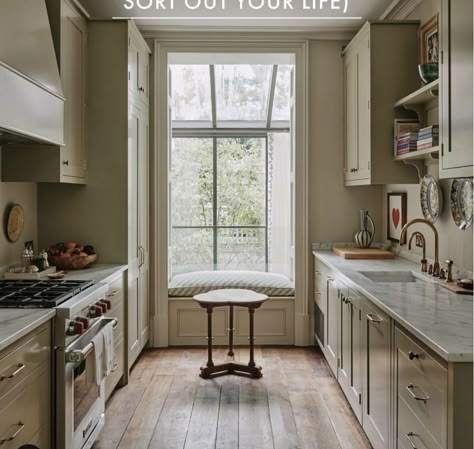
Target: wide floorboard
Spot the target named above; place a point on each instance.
(166, 405)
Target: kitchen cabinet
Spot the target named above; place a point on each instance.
(333, 315)
(349, 372)
(456, 87)
(373, 82)
(139, 68)
(67, 164)
(25, 395)
(376, 375)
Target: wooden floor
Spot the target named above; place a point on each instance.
(297, 404)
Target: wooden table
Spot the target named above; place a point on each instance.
(231, 298)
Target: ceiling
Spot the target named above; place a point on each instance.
(319, 18)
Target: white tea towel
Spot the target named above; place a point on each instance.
(97, 372)
(109, 362)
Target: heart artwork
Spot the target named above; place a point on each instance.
(396, 217)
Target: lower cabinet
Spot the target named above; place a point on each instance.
(376, 375)
(403, 394)
(25, 393)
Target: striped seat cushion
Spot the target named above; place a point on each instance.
(187, 285)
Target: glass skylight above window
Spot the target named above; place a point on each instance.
(242, 92)
(191, 93)
(281, 99)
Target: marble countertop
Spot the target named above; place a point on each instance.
(440, 319)
(15, 323)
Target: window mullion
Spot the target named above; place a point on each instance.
(212, 78)
(214, 200)
(271, 95)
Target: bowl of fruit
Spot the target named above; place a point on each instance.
(71, 256)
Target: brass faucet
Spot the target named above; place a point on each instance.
(403, 237)
(424, 261)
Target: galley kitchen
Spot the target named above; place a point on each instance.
(236, 225)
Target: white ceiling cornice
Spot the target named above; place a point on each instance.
(400, 9)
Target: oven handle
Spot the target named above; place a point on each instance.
(79, 355)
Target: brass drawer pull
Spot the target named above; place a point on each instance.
(410, 389)
(21, 427)
(374, 318)
(409, 438)
(20, 368)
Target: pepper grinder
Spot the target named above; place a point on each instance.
(449, 274)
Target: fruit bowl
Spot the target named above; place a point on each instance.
(74, 262)
(428, 72)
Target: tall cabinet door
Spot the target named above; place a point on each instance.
(457, 88)
(133, 302)
(333, 312)
(376, 376)
(143, 227)
(351, 124)
(73, 78)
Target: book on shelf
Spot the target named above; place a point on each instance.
(426, 146)
(402, 127)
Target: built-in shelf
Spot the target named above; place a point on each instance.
(420, 97)
(428, 153)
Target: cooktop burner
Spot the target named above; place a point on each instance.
(44, 293)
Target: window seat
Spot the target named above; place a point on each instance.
(187, 285)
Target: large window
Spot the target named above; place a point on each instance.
(230, 164)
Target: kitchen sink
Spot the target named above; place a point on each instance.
(394, 276)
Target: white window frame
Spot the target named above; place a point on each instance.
(225, 43)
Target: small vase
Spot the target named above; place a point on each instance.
(364, 237)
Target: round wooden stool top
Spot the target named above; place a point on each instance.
(231, 297)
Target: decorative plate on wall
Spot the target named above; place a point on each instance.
(462, 208)
(15, 222)
(431, 198)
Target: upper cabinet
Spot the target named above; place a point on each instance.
(456, 89)
(380, 66)
(138, 67)
(67, 164)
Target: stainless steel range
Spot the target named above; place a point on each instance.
(80, 398)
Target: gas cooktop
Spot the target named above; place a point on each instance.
(40, 293)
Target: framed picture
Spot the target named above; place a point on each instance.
(396, 215)
(428, 41)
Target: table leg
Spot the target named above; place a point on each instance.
(209, 337)
(231, 331)
(251, 337)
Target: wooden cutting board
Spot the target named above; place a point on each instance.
(362, 253)
(453, 286)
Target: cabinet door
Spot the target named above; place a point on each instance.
(133, 64)
(363, 110)
(73, 77)
(344, 347)
(351, 131)
(143, 227)
(333, 311)
(457, 88)
(376, 376)
(134, 306)
(143, 75)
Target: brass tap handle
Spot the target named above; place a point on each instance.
(449, 275)
(442, 275)
(430, 269)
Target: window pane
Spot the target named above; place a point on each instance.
(191, 250)
(242, 91)
(191, 182)
(281, 101)
(190, 92)
(241, 182)
(241, 249)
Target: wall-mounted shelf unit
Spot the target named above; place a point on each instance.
(419, 100)
(429, 153)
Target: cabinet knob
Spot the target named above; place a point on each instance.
(413, 355)
(65, 162)
(141, 89)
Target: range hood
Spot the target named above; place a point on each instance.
(31, 96)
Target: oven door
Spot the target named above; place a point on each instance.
(80, 401)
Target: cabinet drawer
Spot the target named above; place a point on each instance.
(411, 433)
(22, 359)
(422, 383)
(27, 414)
(113, 379)
(116, 292)
(117, 313)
